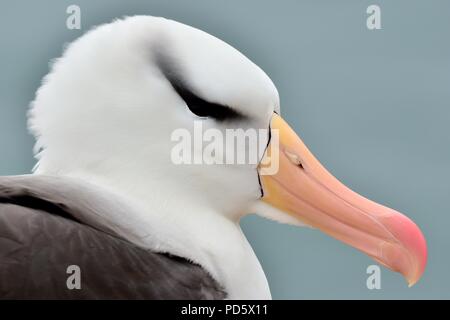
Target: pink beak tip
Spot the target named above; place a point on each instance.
(413, 240)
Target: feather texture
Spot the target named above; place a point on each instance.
(41, 234)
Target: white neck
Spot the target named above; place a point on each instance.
(184, 228)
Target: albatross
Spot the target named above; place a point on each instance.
(106, 196)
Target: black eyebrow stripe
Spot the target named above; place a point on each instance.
(204, 108)
(196, 104)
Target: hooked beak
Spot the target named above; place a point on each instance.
(304, 189)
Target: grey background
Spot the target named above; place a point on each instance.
(372, 105)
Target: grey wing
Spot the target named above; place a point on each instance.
(39, 240)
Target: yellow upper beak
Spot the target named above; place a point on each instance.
(303, 188)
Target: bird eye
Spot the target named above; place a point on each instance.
(203, 108)
(198, 106)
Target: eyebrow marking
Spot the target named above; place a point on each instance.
(199, 106)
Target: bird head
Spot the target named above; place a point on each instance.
(150, 106)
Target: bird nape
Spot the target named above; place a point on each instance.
(108, 200)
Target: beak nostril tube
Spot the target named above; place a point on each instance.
(294, 158)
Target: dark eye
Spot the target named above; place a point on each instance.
(198, 106)
(203, 108)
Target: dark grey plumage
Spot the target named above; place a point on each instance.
(42, 232)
